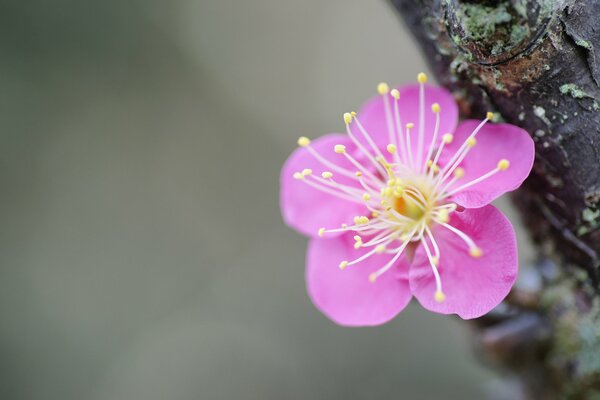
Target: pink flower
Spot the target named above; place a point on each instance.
(399, 206)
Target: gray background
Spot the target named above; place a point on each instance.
(142, 250)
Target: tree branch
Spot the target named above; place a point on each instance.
(538, 64)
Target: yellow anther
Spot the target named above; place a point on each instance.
(344, 226)
(429, 163)
(440, 296)
(372, 277)
(383, 202)
(326, 175)
(339, 148)
(303, 141)
(404, 237)
(374, 214)
(398, 192)
(366, 197)
(306, 172)
(388, 192)
(380, 249)
(391, 148)
(353, 113)
(383, 88)
(422, 78)
(357, 238)
(475, 252)
(489, 116)
(395, 94)
(471, 142)
(361, 220)
(447, 138)
(391, 182)
(443, 216)
(347, 118)
(503, 164)
(357, 245)
(435, 107)
(436, 168)
(435, 260)
(343, 264)
(321, 232)
(410, 125)
(298, 175)
(459, 172)
(358, 173)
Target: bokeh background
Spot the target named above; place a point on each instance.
(142, 251)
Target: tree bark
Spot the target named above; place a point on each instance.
(537, 63)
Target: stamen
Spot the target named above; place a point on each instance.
(502, 166)
(439, 294)
(474, 251)
(422, 78)
(373, 276)
(348, 119)
(435, 108)
(462, 152)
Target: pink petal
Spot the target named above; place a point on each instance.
(347, 296)
(373, 117)
(473, 286)
(307, 209)
(494, 142)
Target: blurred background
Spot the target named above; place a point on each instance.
(142, 250)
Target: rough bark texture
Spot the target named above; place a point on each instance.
(537, 63)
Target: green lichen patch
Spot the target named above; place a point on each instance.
(574, 91)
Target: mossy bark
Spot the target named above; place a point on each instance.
(537, 63)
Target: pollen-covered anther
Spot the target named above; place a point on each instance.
(395, 94)
(448, 138)
(435, 261)
(366, 197)
(422, 78)
(503, 164)
(372, 277)
(459, 172)
(410, 125)
(489, 115)
(357, 242)
(307, 172)
(443, 216)
(327, 175)
(383, 88)
(321, 232)
(471, 142)
(475, 252)
(374, 214)
(298, 175)
(391, 148)
(303, 141)
(435, 107)
(361, 220)
(380, 249)
(343, 264)
(358, 174)
(440, 296)
(339, 148)
(347, 118)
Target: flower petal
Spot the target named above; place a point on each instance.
(494, 143)
(373, 117)
(307, 209)
(473, 286)
(347, 296)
